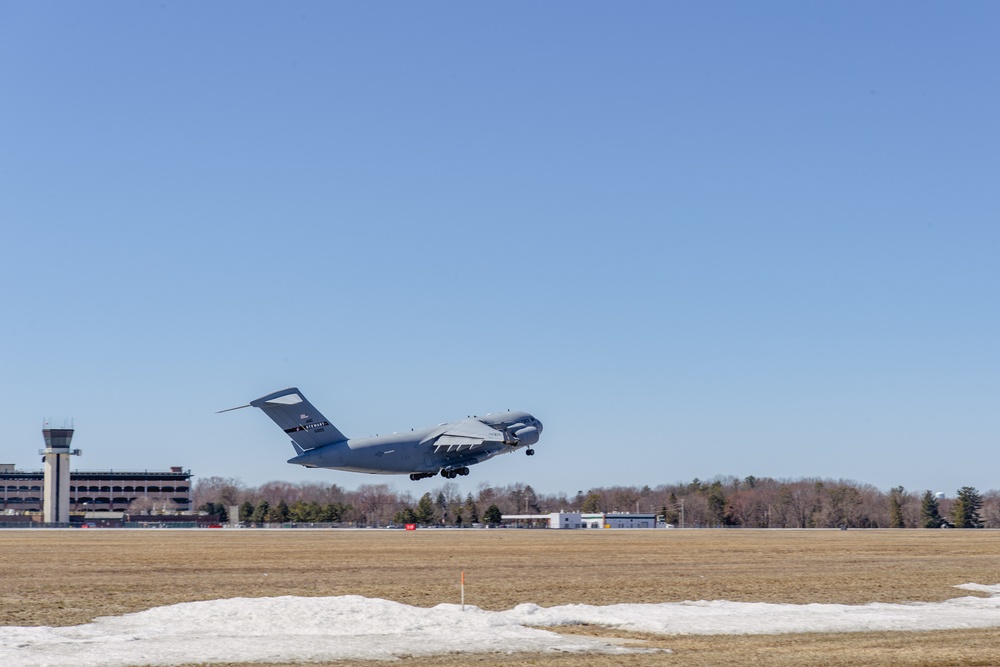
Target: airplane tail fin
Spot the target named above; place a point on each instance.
(297, 417)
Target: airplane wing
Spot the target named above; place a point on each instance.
(464, 435)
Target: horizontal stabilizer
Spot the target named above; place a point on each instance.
(297, 417)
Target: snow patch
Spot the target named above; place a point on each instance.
(296, 629)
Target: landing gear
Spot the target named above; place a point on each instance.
(454, 472)
(529, 452)
(417, 476)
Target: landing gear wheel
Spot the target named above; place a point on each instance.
(530, 452)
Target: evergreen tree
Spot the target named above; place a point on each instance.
(299, 512)
(591, 504)
(331, 513)
(246, 511)
(425, 510)
(470, 507)
(442, 507)
(896, 498)
(716, 504)
(260, 512)
(531, 500)
(458, 518)
(279, 513)
(965, 511)
(930, 511)
(406, 515)
(347, 512)
(671, 512)
(493, 515)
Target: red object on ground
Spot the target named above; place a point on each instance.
(411, 526)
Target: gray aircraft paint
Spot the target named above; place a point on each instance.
(447, 448)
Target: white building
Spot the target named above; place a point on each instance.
(553, 520)
(602, 520)
(578, 520)
(565, 520)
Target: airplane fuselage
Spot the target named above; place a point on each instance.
(410, 452)
(448, 448)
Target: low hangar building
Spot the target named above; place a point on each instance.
(566, 520)
(616, 520)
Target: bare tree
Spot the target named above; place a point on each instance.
(990, 512)
(376, 503)
(723, 500)
(144, 505)
(225, 490)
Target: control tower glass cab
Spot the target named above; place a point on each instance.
(57, 438)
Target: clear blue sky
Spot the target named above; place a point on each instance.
(692, 239)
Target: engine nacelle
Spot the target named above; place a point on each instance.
(527, 436)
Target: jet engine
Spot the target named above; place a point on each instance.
(527, 435)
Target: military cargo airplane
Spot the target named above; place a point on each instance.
(448, 449)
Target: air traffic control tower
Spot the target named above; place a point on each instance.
(56, 457)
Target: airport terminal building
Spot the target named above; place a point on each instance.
(108, 490)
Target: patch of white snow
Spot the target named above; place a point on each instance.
(295, 629)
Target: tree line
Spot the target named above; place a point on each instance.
(725, 501)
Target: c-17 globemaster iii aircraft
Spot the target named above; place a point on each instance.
(446, 448)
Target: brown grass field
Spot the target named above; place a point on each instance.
(70, 577)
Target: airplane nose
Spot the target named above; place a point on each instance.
(538, 425)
